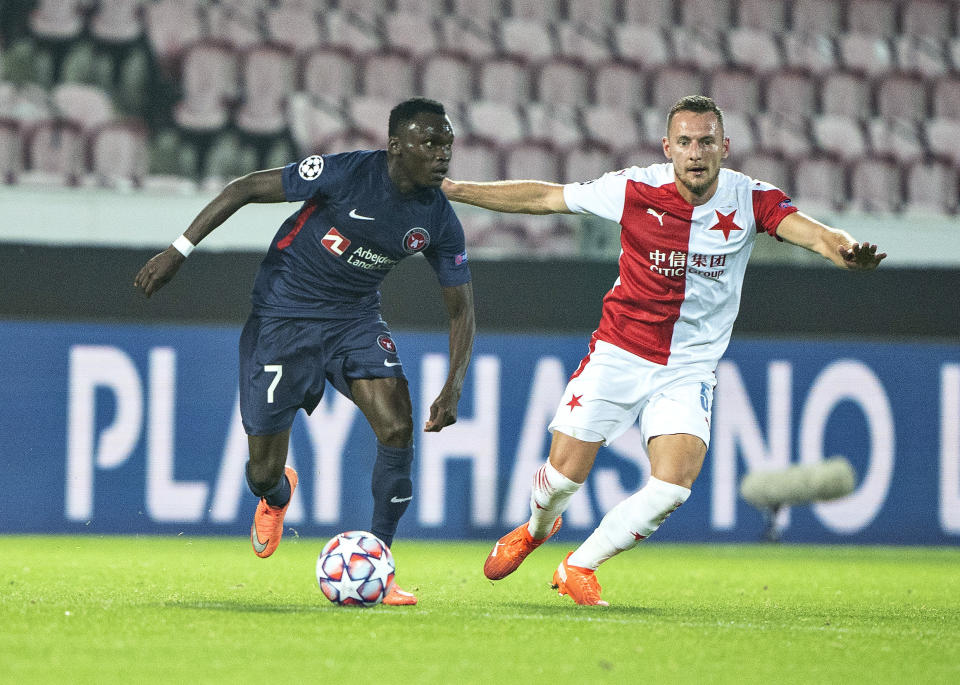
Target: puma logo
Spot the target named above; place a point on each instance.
(659, 216)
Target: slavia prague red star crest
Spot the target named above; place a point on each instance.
(725, 224)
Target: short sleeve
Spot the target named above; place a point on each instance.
(316, 174)
(770, 206)
(448, 255)
(603, 197)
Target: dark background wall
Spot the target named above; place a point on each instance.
(84, 283)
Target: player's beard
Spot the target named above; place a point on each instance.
(700, 187)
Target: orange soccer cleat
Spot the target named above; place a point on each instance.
(396, 597)
(580, 583)
(267, 528)
(510, 550)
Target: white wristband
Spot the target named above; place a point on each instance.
(183, 245)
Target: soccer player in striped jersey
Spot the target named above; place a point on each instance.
(687, 229)
(316, 305)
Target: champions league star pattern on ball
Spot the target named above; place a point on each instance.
(355, 569)
(348, 235)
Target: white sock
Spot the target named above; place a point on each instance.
(632, 520)
(549, 496)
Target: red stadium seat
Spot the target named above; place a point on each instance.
(816, 17)
(615, 129)
(933, 187)
(756, 49)
(117, 22)
(531, 160)
(619, 85)
(119, 155)
(500, 122)
(653, 12)
(646, 45)
(475, 159)
(388, 75)
(770, 168)
(555, 124)
(846, 94)
(267, 78)
(448, 77)
(839, 135)
(526, 39)
(410, 33)
(505, 80)
(56, 154)
(330, 74)
(820, 183)
(876, 186)
(296, 27)
(563, 82)
(735, 90)
(865, 53)
(11, 151)
(877, 18)
(209, 84)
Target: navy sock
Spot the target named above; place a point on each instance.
(392, 489)
(277, 495)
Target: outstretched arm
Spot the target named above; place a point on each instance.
(524, 197)
(459, 304)
(836, 245)
(260, 186)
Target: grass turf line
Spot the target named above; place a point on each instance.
(93, 609)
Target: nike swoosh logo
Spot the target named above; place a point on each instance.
(257, 545)
(398, 500)
(353, 215)
(386, 363)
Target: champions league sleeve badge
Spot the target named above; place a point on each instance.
(311, 167)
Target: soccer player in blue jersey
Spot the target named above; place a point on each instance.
(316, 305)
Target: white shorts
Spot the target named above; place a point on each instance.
(614, 388)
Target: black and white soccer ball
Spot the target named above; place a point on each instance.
(355, 568)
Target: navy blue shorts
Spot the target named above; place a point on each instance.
(285, 364)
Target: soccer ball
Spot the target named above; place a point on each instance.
(355, 569)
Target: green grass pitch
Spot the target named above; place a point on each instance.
(92, 609)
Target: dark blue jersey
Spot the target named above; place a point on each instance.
(329, 258)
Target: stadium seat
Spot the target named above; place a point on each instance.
(267, 78)
(897, 137)
(119, 154)
(671, 83)
(902, 96)
(172, 26)
(619, 85)
(587, 43)
(473, 37)
(11, 151)
(738, 127)
(312, 121)
(475, 159)
(876, 186)
(941, 138)
(209, 84)
(865, 53)
(922, 54)
(929, 18)
(542, 11)
(56, 154)
(820, 183)
(877, 18)
(500, 122)
(505, 80)
(768, 15)
(816, 17)
(784, 133)
(526, 39)
(531, 160)
(557, 124)
(351, 32)
(330, 74)
(646, 45)
(296, 27)
(117, 22)
(597, 13)
(718, 14)
(654, 12)
(410, 33)
(238, 24)
(811, 52)
(615, 129)
(388, 75)
(563, 83)
(845, 93)
(932, 188)
(448, 77)
(369, 115)
(703, 47)
(85, 105)
(426, 8)
(586, 162)
(26, 104)
(946, 98)
(791, 91)
(735, 90)
(57, 20)
(754, 48)
(839, 135)
(367, 10)
(767, 167)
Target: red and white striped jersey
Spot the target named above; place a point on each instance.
(681, 267)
